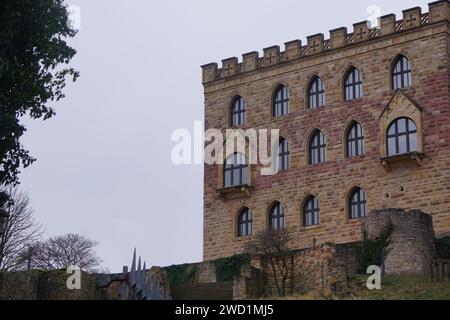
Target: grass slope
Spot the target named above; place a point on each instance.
(393, 288)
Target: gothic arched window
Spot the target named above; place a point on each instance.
(353, 85)
(317, 148)
(355, 140)
(357, 204)
(276, 217)
(401, 73)
(283, 155)
(316, 93)
(236, 171)
(238, 110)
(401, 137)
(311, 212)
(245, 223)
(281, 102)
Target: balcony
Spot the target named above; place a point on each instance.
(411, 157)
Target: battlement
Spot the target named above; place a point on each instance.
(339, 38)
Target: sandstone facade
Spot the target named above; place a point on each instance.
(416, 182)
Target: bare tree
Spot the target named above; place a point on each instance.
(20, 230)
(64, 251)
(273, 247)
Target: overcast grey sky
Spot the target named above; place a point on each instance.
(104, 167)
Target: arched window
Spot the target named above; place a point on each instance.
(317, 148)
(281, 102)
(401, 73)
(355, 140)
(283, 155)
(402, 137)
(245, 223)
(236, 171)
(353, 85)
(316, 93)
(238, 112)
(311, 212)
(276, 217)
(357, 204)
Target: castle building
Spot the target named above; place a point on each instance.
(365, 124)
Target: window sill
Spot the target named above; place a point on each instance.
(358, 157)
(280, 118)
(317, 109)
(355, 220)
(236, 192)
(353, 101)
(313, 165)
(243, 238)
(308, 228)
(415, 157)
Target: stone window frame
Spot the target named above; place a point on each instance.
(237, 223)
(348, 127)
(284, 153)
(348, 206)
(322, 92)
(409, 131)
(400, 106)
(242, 168)
(269, 214)
(275, 91)
(393, 64)
(359, 83)
(231, 112)
(302, 212)
(308, 147)
(220, 170)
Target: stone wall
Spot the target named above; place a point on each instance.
(321, 269)
(41, 285)
(206, 272)
(249, 285)
(412, 247)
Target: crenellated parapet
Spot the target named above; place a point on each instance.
(339, 38)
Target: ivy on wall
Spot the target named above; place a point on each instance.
(374, 251)
(228, 268)
(182, 274)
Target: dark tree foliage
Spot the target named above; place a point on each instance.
(33, 70)
(374, 251)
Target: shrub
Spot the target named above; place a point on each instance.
(374, 251)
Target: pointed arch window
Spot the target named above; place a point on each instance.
(311, 212)
(281, 102)
(238, 112)
(276, 216)
(401, 73)
(353, 85)
(283, 155)
(402, 137)
(357, 204)
(317, 148)
(316, 93)
(245, 223)
(355, 140)
(236, 171)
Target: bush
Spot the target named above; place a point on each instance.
(182, 274)
(374, 251)
(228, 268)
